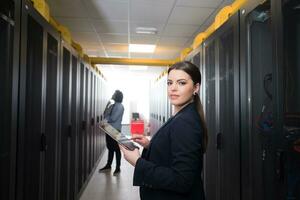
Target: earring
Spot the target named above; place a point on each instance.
(195, 93)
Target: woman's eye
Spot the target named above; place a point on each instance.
(169, 83)
(181, 83)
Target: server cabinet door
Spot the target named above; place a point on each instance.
(211, 156)
(228, 138)
(98, 113)
(87, 115)
(221, 69)
(92, 123)
(82, 129)
(286, 137)
(32, 139)
(52, 118)
(256, 71)
(291, 115)
(66, 127)
(75, 128)
(94, 119)
(7, 105)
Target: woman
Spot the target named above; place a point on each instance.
(113, 113)
(170, 166)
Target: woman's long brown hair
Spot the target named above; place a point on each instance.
(195, 74)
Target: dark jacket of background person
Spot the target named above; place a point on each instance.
(171, 167)
(113, 114)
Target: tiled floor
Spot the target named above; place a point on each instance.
(105, 186)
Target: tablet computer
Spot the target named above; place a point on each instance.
(117, 136)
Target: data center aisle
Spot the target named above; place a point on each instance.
(105, 186)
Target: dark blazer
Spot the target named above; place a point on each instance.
(171, 166)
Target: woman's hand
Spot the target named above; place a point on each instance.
(141, 140)
(130, 156)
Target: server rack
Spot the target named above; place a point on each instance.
(257, 155)
(9, 70)
(160, 106)
(221, 75)
(66, 126)
(285, 29)
(52, 115)
(87, 113)
(82, 131)
(92, 114)
(36, 143)
(75, 125)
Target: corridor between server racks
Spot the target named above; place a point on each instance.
(108, 187)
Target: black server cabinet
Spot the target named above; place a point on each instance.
(37, 109)
(97, 120)
(221, 64)
(75, 126)
(92, 123)
(257, 155)
(66, 127)
(100, 136)
(32, 126)
(291, 115)
(82, 128)
(228, 136)
(9, 62)
(92, 120)
(211, 158)
(52, 116)
(88, 124)
(286, 138)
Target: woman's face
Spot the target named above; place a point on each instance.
(180, 87)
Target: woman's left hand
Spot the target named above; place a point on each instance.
(130, 156)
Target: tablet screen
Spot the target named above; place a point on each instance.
(117, 136)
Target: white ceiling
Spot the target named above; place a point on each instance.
(106, 27)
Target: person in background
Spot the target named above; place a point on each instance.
(171, 163)
(113, 114)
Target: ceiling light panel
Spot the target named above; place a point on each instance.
(146, 30)
(136, 24)
(142, 48)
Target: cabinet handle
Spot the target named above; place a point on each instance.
(218, 142)
(44, 145)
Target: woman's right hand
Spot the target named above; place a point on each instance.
(141, 140)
